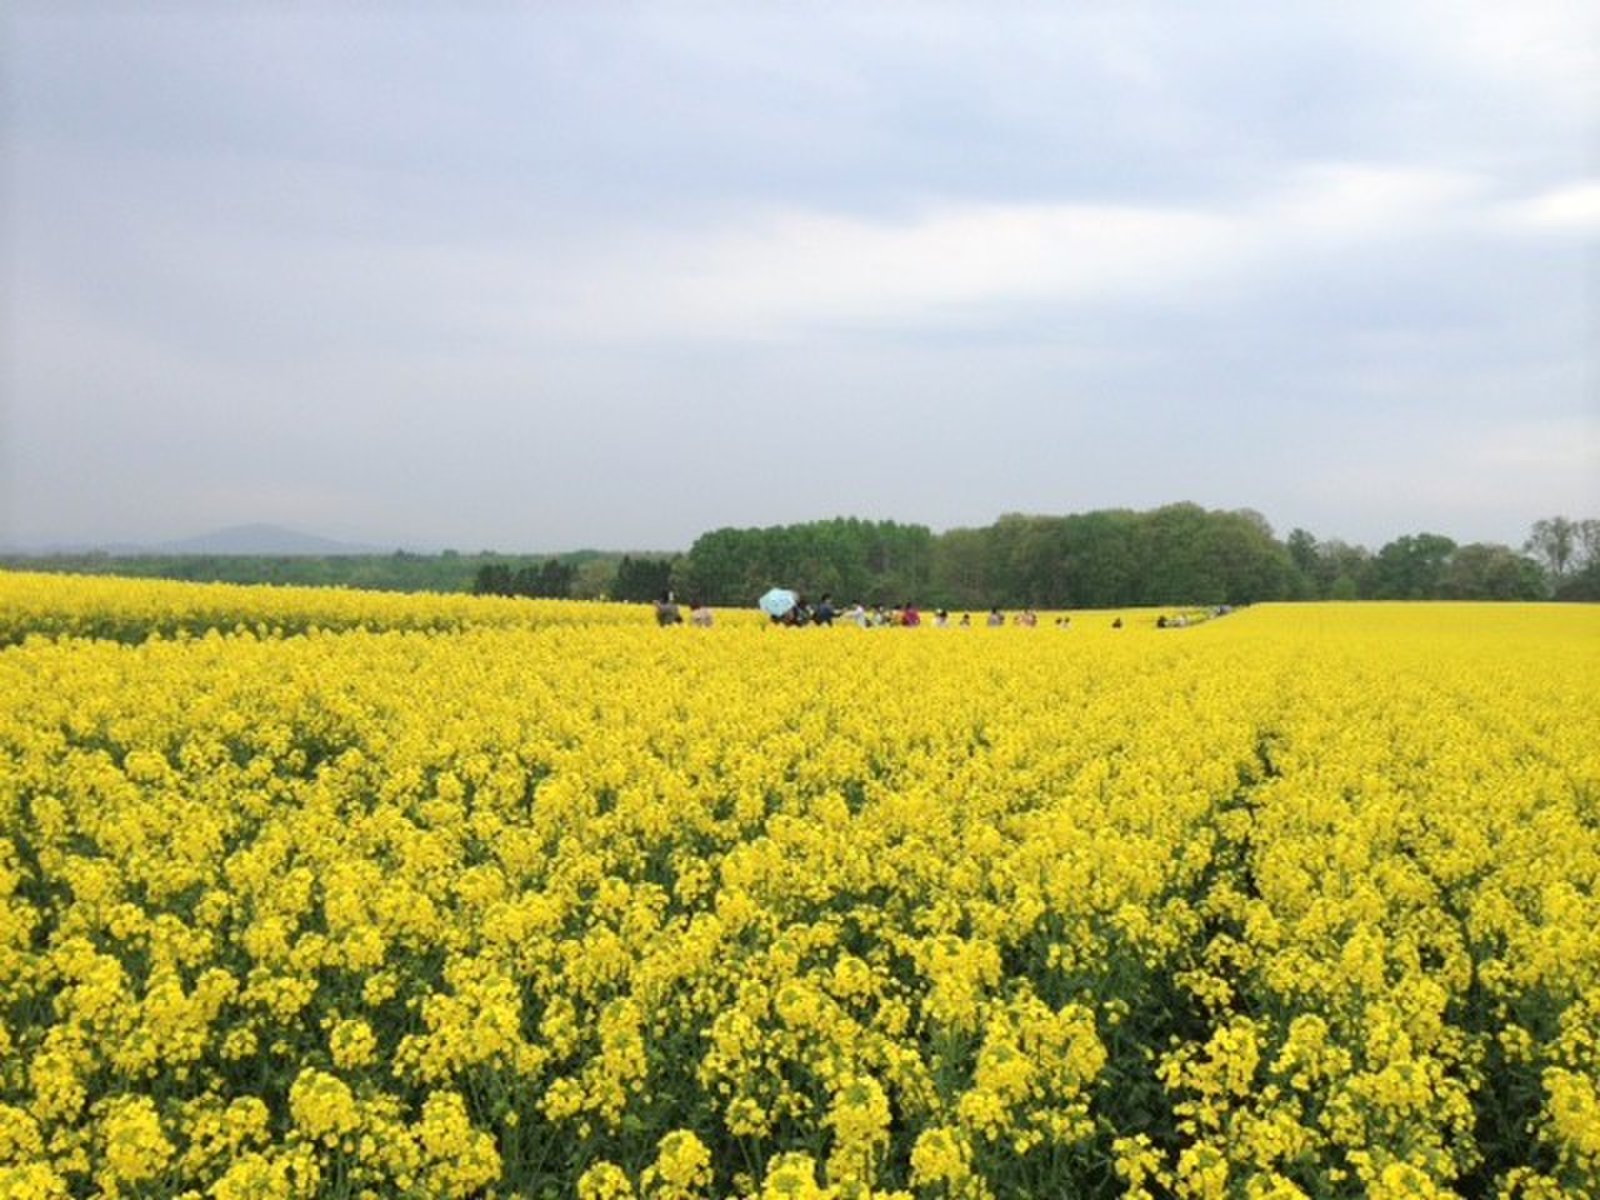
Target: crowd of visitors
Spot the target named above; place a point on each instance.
(905, 616)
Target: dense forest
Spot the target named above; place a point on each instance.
(1176, 554)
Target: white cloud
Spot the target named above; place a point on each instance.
(791, 272)
(809, 267)
(1547, 47)
(1574, 208)
(1343, 200)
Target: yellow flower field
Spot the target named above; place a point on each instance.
(128, 610)
(328, 894)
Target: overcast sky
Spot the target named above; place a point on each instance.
(612, 275)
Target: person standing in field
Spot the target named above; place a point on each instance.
(909, 616)
(667, 611)
(996, 617)
(797, 616)
(700, 615)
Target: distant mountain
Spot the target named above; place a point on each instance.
(263, 539)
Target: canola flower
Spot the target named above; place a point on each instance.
(38, 604)
(1301, 902)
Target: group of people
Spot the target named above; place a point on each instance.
(906, 616)
(825, 612)
(1184, 620)
(669, 612)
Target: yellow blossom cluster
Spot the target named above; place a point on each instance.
(131, 610)
(412, 902)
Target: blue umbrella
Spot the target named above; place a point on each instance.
(777, 602)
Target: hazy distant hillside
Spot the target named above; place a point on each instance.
(263, 539)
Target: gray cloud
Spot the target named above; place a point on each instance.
(583, 275)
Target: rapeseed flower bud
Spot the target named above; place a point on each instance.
(461, 1160)
(681, 1171)
(940, 1156)
(323, 1107)
(793, 1176)
(32, 1181)
(351, 1043)
(605, 1180)
(136, 1147)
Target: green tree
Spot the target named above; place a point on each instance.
(1487, 571)
(1036, 568)
(1173, 560)
(555, 580)
(959, 571)
(867, 560)
(1302, 548)
(1412, 567)
(493, 579)
(1100, 563)
(641, 580)
(1582, 585)
(594, 579)
(720, 568)
(1343, 571)
(1553, 541)
(1587, 536)
(1253, 564)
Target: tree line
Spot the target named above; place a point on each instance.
(631, 579)
(1176, 554)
